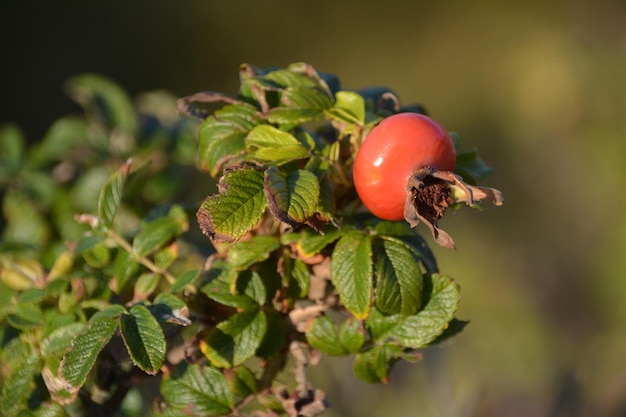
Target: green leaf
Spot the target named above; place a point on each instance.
(144, 339)
(12, 144)
(86, 346)
(146, 284)
(199, 391)
(235, 340)
(183, 280)
(228, 216)
(454, 327)
(65, 134)
(155, 234)
(19, 384)
(112, 311)
(374, 364)
(309, 243)
(288, 78)
(111, 195)
(414, 242)
(24, 223)
(241, 381)
(50, 409)
(289, 117)
(26, 316)
(167, 308)
(471, 167)
(275, 337)
(249, 283)
(351, 335)
(349, 108)
(296, 277)
(268, 144)
(351, 272)
(105, 100)
(322, 335)
(423, 328)
(88, 241)
(399, 282)
(245, 253)
(222, 135)
(60, 339)
(293, 197)
(222, 285)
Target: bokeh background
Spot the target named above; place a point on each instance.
(538, 86)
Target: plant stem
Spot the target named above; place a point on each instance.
(123, 243)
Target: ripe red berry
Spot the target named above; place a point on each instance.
(394, 150)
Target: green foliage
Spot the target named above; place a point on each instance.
(103, 280)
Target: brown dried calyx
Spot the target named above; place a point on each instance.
(430, 193)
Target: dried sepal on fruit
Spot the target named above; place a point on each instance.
(430, 193)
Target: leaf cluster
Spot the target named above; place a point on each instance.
(103, 282)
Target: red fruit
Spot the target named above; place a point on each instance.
(392, 152)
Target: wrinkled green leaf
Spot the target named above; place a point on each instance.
(111, 195)
(222, 135)
(235, 340)
(421, 329)
(268, 144)
(201, 391)
(351, 335)
(351, 272)
(228, 216)
(222, 285)
(414, 242)
(86, 346)
(399, 283)
(60, 339)
(19, 383)
(144, 339)
(245, 253)
(293, 197)
(322, 335)
(310, 242)
(374, 364)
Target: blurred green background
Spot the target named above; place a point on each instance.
(538, 87)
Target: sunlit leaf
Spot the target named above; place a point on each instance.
(222, 135)
(268, 144)
(322, 335)
(238, 207)
(244, 253)
(293, 197)
(351, 272)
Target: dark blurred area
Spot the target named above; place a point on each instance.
(538, 87)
